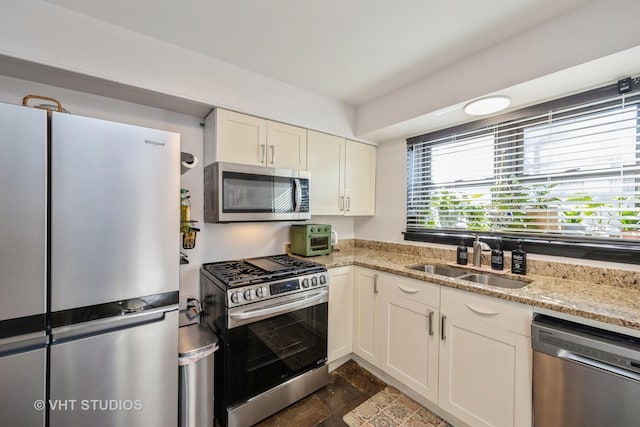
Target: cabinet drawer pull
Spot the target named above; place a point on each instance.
(375, 283)
(430, 323)
(408, 290)
(481, 311)
(442, 319)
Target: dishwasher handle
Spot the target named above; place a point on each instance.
(567, 355)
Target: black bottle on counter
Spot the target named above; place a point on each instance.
(497, 258)
(519, 260)
(462, 257)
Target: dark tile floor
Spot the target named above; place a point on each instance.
(349, 386)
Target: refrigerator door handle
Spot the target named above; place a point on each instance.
(109, 324)
(24, 343)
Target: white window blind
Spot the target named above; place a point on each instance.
(570, 171)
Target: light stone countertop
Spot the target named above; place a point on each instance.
(612, 297)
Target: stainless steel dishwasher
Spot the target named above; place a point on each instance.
(584, 376)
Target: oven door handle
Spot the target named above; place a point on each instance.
(260, 313)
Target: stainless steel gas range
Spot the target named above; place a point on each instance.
(270, 314)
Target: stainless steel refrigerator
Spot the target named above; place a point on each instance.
(112, 209)
(23, 212)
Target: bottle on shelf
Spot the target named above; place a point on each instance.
(185, 206)
(185, 211)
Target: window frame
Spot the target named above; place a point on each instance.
(605, 249)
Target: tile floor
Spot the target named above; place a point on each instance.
(349, 387)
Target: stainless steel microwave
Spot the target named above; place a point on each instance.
(245, 193)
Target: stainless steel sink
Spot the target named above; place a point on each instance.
(461, 273)
(442, 270)
(491, 280)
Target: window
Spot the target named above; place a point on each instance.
(567, 172)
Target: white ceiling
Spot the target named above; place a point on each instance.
(350, 50)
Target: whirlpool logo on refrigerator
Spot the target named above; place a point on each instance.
(154, 143)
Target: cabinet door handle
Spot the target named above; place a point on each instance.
(273, 154)
(430, 323)
(481, 311)
(442, 334)
(408, 290)
(263, 153)
(375, 283)
(348, 204)
(341, 203)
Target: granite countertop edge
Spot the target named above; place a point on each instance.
(596, 301)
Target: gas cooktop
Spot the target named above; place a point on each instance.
(251, 271)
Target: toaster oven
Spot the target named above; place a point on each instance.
(311, 239)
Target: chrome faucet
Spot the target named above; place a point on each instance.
(478, 247)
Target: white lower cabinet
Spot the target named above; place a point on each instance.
(409, 321)
(365, 313)
(340, 334)
(469, 354)
(485, 359)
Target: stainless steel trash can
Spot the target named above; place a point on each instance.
(197, 345)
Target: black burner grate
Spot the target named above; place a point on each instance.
(249, 271)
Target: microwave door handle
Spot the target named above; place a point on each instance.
(297, 195)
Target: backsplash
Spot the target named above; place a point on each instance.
(560, 270)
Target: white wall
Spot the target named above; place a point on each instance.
(215, 242)
(391, 196)
(50, 35)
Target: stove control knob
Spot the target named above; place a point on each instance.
(323, 279)
(314, 281)
(247, 295)
(305, 283)
(236, 297)
(261, 292)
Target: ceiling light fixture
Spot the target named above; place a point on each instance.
(488, 105)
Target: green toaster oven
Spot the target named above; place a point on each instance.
(311, 239)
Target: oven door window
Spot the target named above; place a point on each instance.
(319, 243)
(266, 353)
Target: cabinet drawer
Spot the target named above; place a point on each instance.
(411, 289)
(503, 314)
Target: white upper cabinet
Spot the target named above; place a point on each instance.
(286, 146)
(240, 138)
(359, 179)
(325, 162)
(342, 175)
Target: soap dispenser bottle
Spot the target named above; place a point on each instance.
(519, 260)
(497, 258)
(462, 253)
